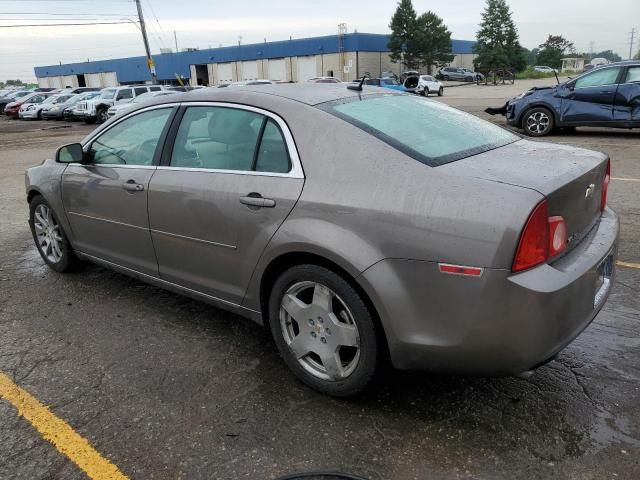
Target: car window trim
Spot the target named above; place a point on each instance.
(88, 141)
(621, 71)
(296, 170)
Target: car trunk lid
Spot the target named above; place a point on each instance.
(570, 178)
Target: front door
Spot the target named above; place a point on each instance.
(230, 181)
(106, 198)
(590, 98)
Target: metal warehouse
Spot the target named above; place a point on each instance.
(346, 56)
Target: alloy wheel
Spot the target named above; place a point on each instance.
(48, 235)
(320, 330)
(538, 122)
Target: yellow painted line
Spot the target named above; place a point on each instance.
(59, 433)
(627, 264)
(624, 179)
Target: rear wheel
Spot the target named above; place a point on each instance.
(49, 236)
(537, 122)
(441, 92)
(425, 92)
(324, 330)
(446, 77)
(468, 79)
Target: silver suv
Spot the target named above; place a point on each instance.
(460, 74)
(95, 110)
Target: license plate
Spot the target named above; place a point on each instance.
(603, 280)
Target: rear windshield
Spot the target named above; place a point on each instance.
(426, 130)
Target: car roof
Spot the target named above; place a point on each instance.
(307, 93)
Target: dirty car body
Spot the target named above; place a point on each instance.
(604, 97)
(425, 225)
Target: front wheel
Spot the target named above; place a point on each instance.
(446, 78)
(537, 122)
(324, 330)
(49, 236)
(441, 92)
(101, 115)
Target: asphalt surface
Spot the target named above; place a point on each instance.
(170, 388)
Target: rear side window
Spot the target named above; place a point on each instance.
(140, 90)
(633, 75)
(154, 89)
(428, 131)
(272, 154)
(124, 94)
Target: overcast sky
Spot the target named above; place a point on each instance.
(204, 23)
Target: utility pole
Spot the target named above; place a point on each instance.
(631, 41)
(143, 29)
(175, 37)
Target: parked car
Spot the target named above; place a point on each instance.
(324, 80)
(244, 83)
(475, 76)
(184, 88)
(69, 111)
(145, 97)
(53, 106)
(544, 69)
(12, 109)
(95, 110)
(46, 89)
(385, 82)
(458, 74)
(81, 89)
(13, 96)
(607, 96)
(428, 84)
(31, 108)
(457, 246)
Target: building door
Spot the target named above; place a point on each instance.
(277, 69)
(307, 68)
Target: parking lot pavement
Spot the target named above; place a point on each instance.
(166, 387)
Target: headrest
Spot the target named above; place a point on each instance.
(231, 126)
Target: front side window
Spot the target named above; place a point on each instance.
(633, 75)
(132, 141)
(605, 76)
(430, 132)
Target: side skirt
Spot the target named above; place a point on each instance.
(175, 288)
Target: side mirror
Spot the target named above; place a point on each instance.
(71, 153)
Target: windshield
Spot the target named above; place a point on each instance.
(428, 131)
(51, 99)
(108, 93)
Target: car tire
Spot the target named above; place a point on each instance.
(537, 122)
(102, 115)
(468, 79)
(441, 92)
(49, 237)
(446, 78)
(39, 116)
(425, 92)
(336, 313)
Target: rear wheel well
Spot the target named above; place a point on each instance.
(288, 260)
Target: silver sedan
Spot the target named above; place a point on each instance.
(359, 226)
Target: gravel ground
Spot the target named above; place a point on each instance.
(167, 388)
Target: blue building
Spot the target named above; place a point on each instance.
(345, 56)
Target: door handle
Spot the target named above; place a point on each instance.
(257, 200)
(132, 186)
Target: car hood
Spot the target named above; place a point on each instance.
(543, 167)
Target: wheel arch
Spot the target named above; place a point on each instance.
(283, 262)
(556, 120)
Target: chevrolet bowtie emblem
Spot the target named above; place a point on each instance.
(589, 192)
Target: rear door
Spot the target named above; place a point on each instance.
(590, 98)
(106, 199)
(627, 105)
(223, 189)
(124, 96)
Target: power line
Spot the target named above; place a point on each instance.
(47, 19)
(67, 14)
(62, 24)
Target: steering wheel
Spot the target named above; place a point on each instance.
(144, 152)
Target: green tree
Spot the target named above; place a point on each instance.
(608, 54)
(433, 41)
(532, 56)
(497, 40)
(402, 41)
(553, 50)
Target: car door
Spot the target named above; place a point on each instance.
(590, 98)
(106, 198)
(223, 189)
(627, 104)
(124, 96)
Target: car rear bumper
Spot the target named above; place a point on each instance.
(497, 324)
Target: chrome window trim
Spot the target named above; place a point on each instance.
(296, 165)
(112, 165)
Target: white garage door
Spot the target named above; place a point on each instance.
(93, 79)
(43, 82)
(70, 81)
(225, 73)
(55, 82)
(277, 69)
(306, 68)
(249, 70)
(109, 79)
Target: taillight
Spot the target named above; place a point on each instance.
(543, 237)
(605, 187)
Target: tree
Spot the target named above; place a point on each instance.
(532, 56)
(402, 41)
(433, 41)
(497, 40)
(608, 54)
(553, 49)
